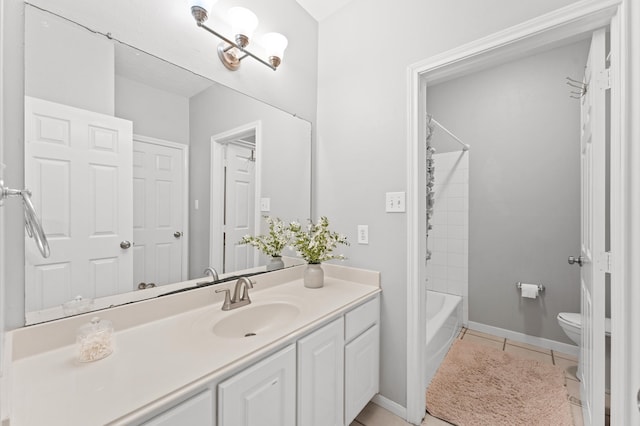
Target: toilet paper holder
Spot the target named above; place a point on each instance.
(540, 287)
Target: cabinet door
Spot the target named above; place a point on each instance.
(362, 359)
(262, 395)
(321, 376)
(195, 411)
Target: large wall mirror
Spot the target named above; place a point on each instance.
(145, 173)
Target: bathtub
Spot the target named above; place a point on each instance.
(444, 321)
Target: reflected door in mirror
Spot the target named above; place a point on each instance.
(158, 206)
(78, 165)
(239, 206)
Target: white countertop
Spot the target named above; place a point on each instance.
(162, 359)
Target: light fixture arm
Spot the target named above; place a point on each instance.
(233, 44)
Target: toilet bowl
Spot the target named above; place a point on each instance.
(571, 324)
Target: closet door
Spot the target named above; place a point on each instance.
(158, 206)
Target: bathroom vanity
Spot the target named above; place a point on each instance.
(293, 356)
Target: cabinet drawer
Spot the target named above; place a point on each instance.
(361, 318)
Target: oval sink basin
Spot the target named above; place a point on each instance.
(254, 320)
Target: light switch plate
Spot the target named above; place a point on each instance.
(265, 204)
(363, 234)
(395, 202)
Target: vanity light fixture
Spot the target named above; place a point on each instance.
(243, 22)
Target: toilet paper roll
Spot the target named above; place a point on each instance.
(529, 290)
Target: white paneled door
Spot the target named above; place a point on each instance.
(78, 166)
(593, 256)
(239, 201)
(158, 210)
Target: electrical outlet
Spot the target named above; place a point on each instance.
(196, 204)
(265, 204)
(395, 202)
(363, 234)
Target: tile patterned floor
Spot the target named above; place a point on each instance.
(374, 415)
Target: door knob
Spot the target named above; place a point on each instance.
(579, 260)
(177, 234)
(125, 244)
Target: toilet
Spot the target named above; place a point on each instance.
(571, 324)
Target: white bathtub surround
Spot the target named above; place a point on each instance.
(448, 269)
(444, 321)
(164, 349)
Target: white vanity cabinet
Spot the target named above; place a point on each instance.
(176, 366)
(196, 411)
(362, 358)
(321, 376)
(337, 375)
(264, 394)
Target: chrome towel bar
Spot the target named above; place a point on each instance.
(32, 223)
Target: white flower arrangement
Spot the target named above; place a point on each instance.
(316, 242)
(272, 244)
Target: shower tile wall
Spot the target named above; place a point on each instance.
(448, 269)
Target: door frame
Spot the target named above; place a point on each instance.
(218, 142)
(543, 32)
(185, 193)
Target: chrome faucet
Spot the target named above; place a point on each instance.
(214, 276)
(211, 271)
(240, 294)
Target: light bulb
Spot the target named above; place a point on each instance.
(204, 4)
(200, 9)
(275, 44)
(243, 21)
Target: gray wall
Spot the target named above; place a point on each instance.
(68, 65)
(524, 192)
(364, 52)
(165, 33)
(155, 113)
(285, 153)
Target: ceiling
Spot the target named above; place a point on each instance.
(320, 9)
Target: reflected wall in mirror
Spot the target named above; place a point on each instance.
(144, 172)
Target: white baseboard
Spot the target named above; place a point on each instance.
(524, 338)
(390, 405)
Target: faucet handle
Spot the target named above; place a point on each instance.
(226, 306)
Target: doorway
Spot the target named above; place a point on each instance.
(239, 203)
(525, 39)
(523, 123)
(235, 188)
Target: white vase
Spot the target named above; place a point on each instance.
(275, 263)
(313, 276)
